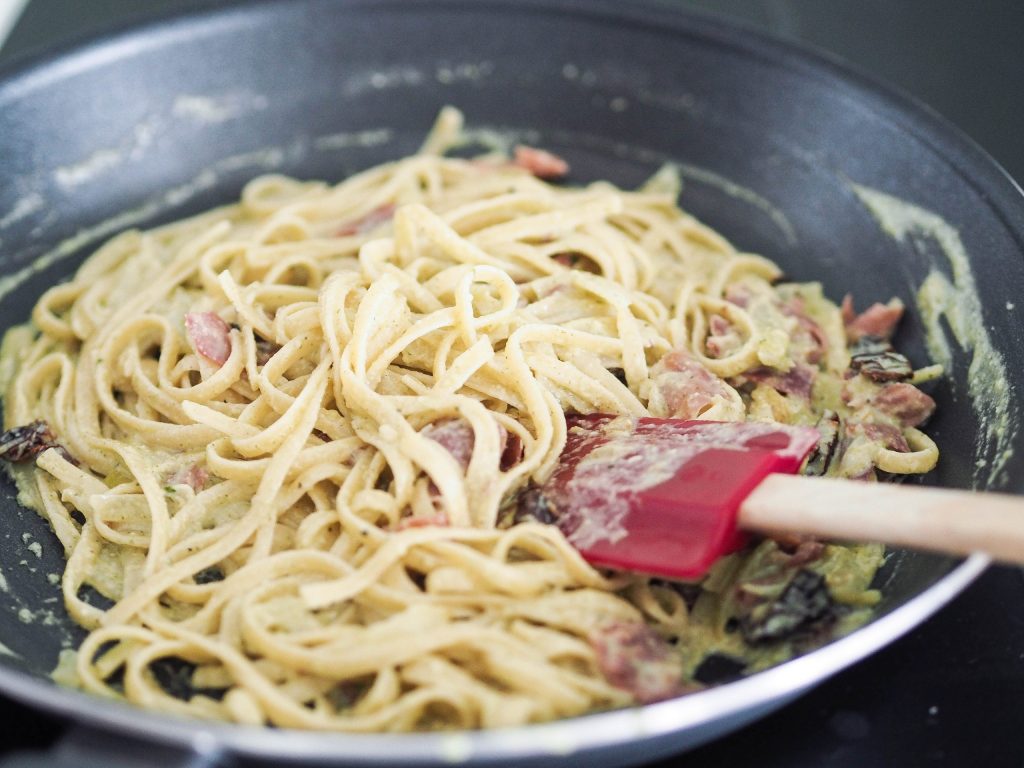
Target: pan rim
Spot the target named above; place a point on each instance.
(610, 728)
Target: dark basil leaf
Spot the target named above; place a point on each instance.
(804, 605)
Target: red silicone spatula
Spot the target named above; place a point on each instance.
(668, 497)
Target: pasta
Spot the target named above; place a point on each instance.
(283, 442)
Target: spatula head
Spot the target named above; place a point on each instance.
(660, 496)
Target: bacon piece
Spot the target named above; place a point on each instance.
(877, 320)
(808, 331)
(633, 657)
(798, 381)
(456, 435)
(719, 325)
(686, 386)
(798, 549)
(511, 449)
(576, 260)
(889, 435)
(807, 551)
(439, 519)
(904, 402)
(369, 222)
(209, 335)
(723, 338)
(539, 162)
(846, 309)
(194, 476)
(818, 347)
(265, 350)
(738, 294)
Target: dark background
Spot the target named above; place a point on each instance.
(952, 692)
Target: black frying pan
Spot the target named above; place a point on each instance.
(173, 118)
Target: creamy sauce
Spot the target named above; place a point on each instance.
(23, 208)
(66, 671)
(5, 651)
(949, 293)
(90, 235)
(70, 176)
(104, 160)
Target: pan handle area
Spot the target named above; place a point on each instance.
(83, 747)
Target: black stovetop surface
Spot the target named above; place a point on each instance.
(952, 692)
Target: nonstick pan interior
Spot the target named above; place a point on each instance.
(774, 144)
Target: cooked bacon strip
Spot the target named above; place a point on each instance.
(738, 294)
(194, 476)
(210, 335)
(722, 338)
(542, 164)
(889, 435)
(633, 657)
(799, 550)
(265, 350)
(808, 333)
(440, 519)
(798, 381)
(511, 449)
(456, 435)
(686, 386)
(719, 325)
(369, 222)
(577, 260)
(877, 320)
(904, 402)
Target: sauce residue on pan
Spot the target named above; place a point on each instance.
(207, 110)
(949, 293)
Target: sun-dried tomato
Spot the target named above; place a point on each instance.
(27, 442)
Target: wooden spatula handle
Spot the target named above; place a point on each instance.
(957, 522)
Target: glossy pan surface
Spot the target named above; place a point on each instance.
(782, 150)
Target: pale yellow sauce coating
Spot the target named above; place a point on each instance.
(952, 314)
